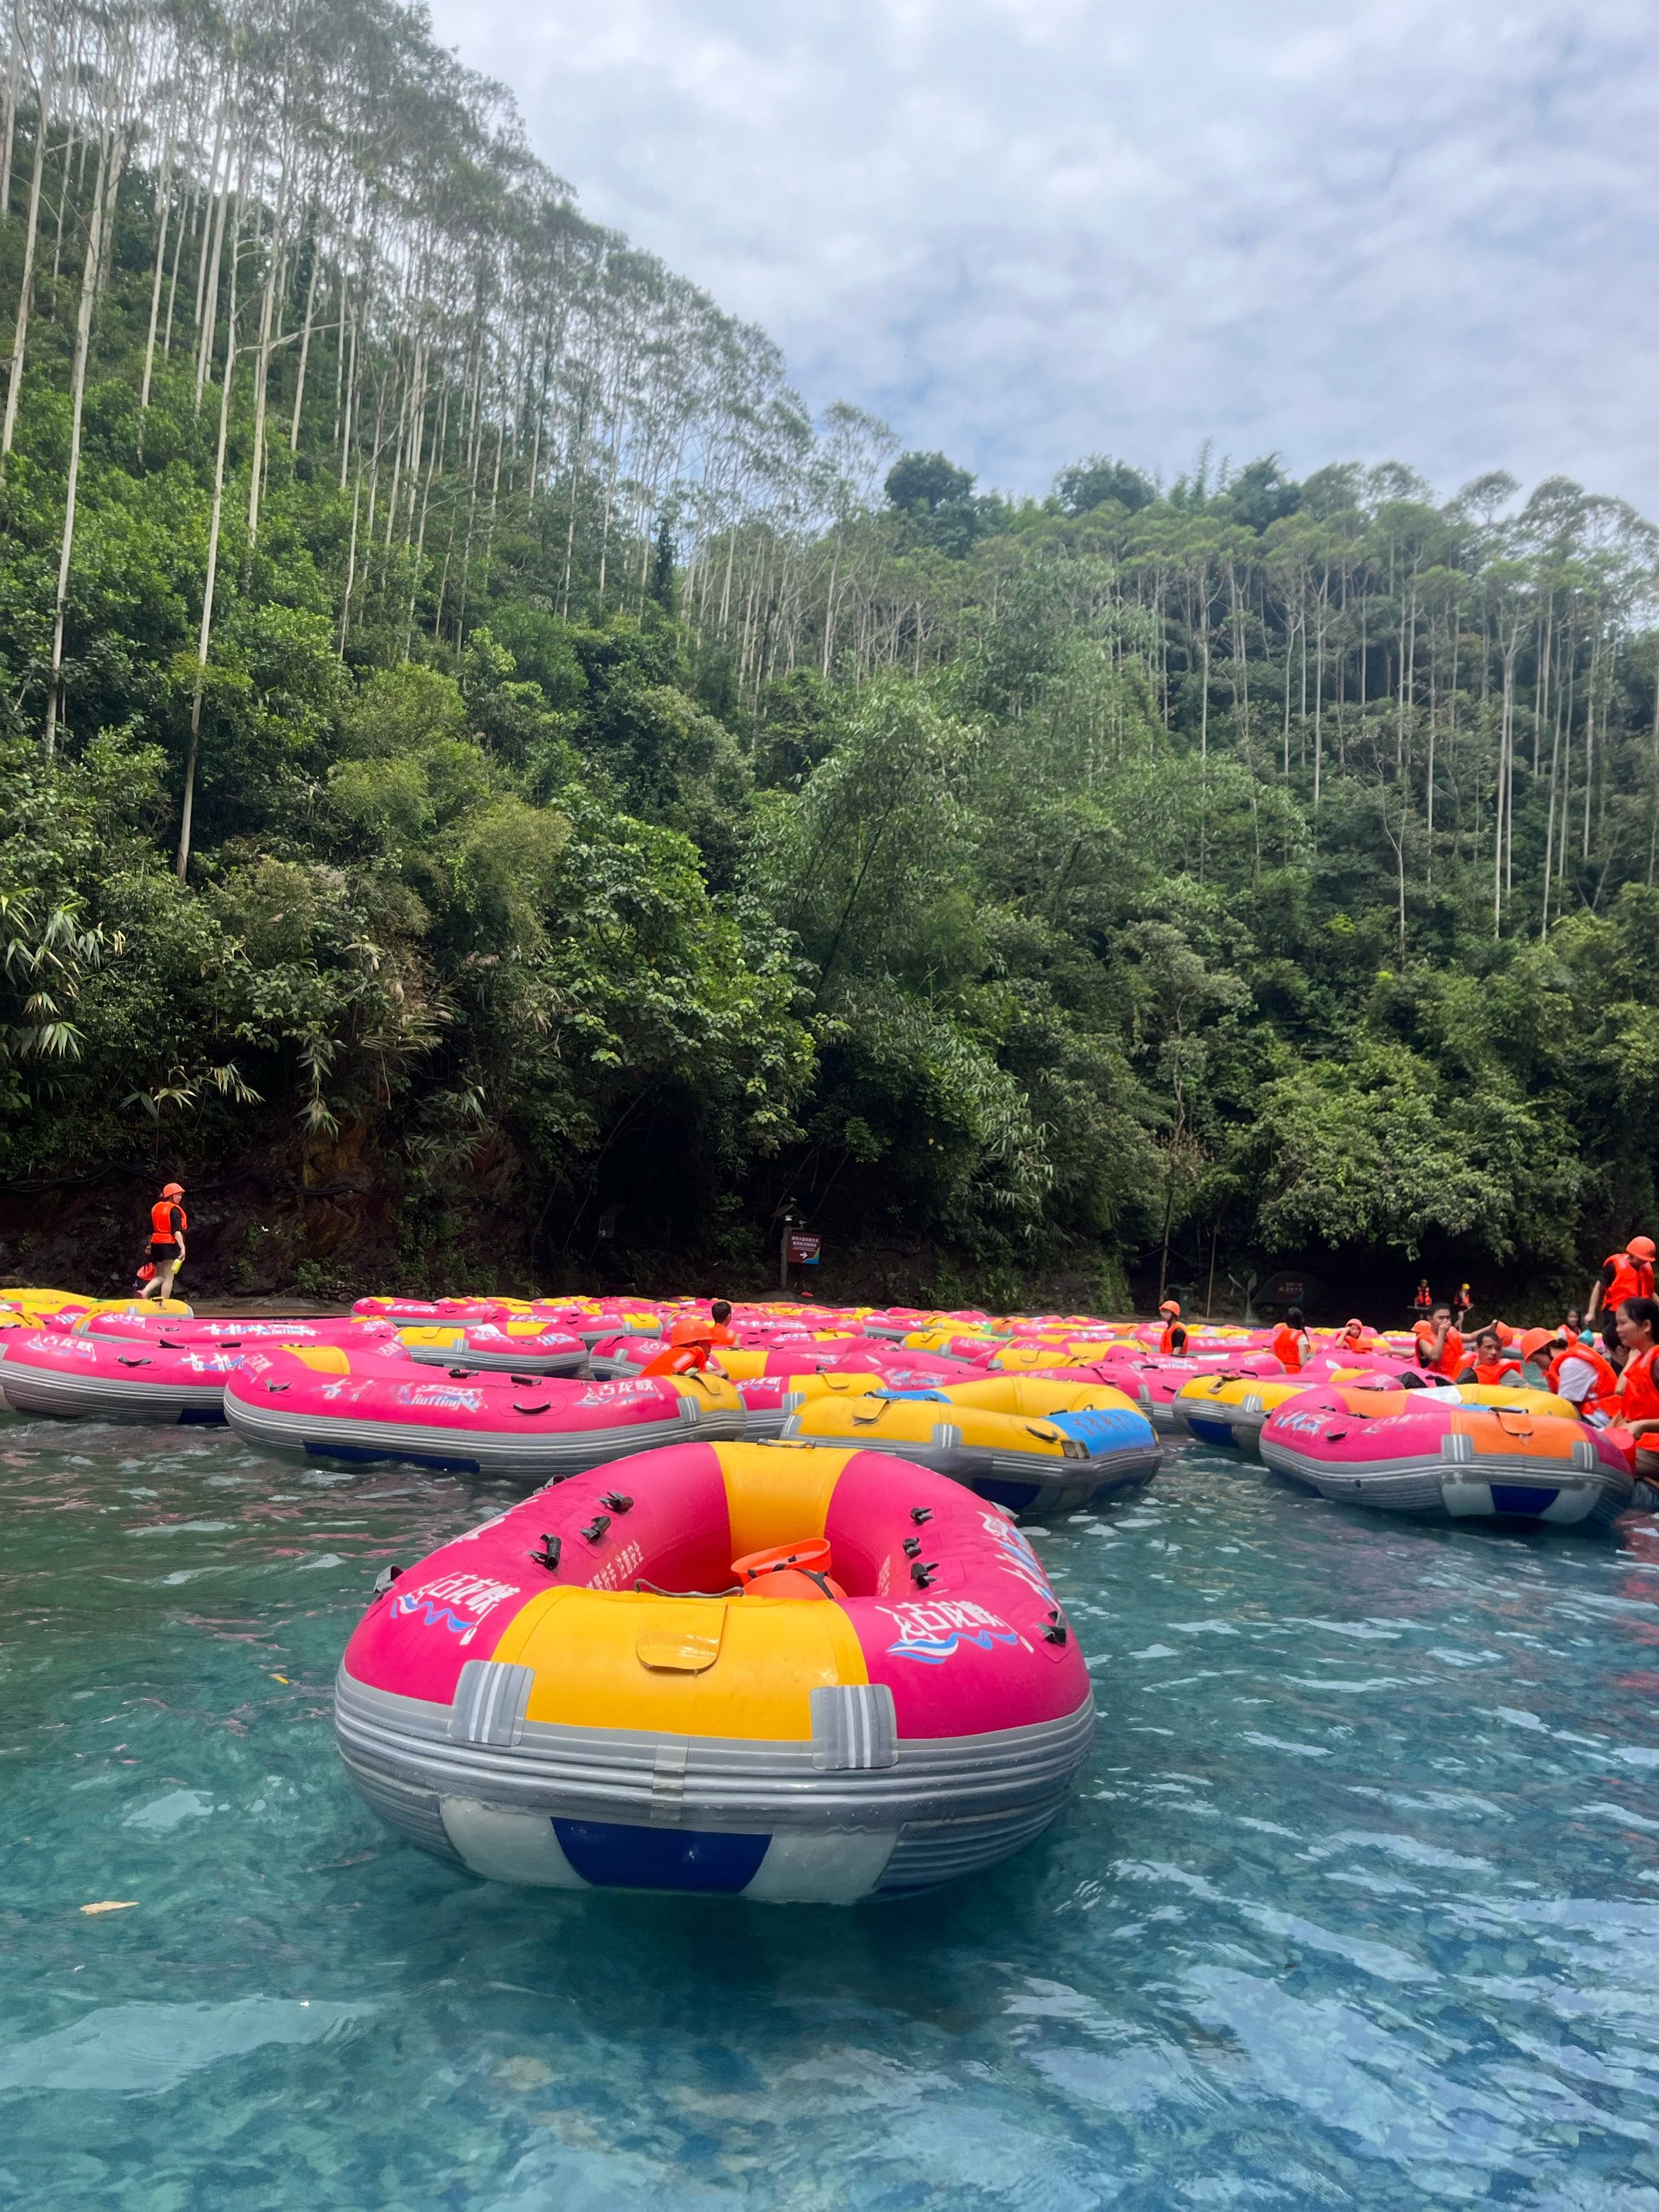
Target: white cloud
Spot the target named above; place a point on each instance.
(1024, 229)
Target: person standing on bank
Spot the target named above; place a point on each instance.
(168, 1224)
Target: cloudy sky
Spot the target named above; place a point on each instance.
(1023, 230)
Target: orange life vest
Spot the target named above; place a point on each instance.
(1604, 1396)
(161, 1230)
(1166, 1342)
(1639, 1394)
(1287, 1347)
(1632, 1278)
(1450, 1361)
(679, 1359)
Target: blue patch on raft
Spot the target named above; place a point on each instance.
(613, 1855)
(372, 1455)
(1104, 1428)
(1002, 1491)
(1212, 1432)
(1520, 1497)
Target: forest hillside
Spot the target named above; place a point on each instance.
(491, 790)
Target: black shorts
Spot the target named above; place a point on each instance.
(160, 1254)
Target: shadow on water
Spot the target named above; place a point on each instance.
(1359, 1902)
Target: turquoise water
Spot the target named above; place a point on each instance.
(1359, 1904)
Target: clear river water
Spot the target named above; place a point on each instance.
(1358, 1903)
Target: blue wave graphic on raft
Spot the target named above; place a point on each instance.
(437, 1616)
(933, 1650)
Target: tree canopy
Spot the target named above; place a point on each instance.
(470, 742)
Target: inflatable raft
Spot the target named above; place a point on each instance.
(1428, 1452)
(85, 1378)
(648, 1692)
(526, 1347)
(1034, 1446)
(333, 1404)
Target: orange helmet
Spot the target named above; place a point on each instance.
(1535, 1339)
(173, 1190)
(1503, 1332)
(1171, 1306)
(1640, 1248)
(691, 1328)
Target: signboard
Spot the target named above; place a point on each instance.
(1295, 1287)
(802, 1249)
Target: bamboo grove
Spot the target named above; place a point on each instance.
(474, 746)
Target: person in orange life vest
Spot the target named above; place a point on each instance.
(1173, 1342)
(1638, 1323)
(1536, 1348)
(1423, 1300)
(1355, 1337)
(1460, 1306)
(1439, 1345)
(1292, 1348)
(689, 1342)
(1626, 1274)
(168, 1224)
(1578, 1372)
(719, 1315)
(1491, 1364)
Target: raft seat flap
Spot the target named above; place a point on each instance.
(322, 1358)
(854, 1726)
(683, 1637)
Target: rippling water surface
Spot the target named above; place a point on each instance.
(1360, 1904)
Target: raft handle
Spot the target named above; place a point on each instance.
(615, 1503)
(920, 1513)
(385, 1579)
(1054, 1629)
(597, 1527)
(912, 1546)
(922, 1571)
(548, 1556)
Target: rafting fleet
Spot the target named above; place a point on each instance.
(766, 1624)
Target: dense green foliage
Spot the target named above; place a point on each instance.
(582, 785)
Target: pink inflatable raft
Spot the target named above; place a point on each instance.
(82, 1377)
(1425, 1452)
(799, 1674)
(333, 1404)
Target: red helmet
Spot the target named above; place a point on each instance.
(1640, 1248)
(1170, 1306)
(173, 1190)
(1535, 1339)
(691, 1328)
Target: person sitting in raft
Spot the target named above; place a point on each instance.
(1491, 1364)
(1439, 1345)
(168, 1224)
(1626, 1274)
(719, 1314)
(1638, 1323)
(1537, 1348)
(1355, 1337)
(690, 1343)
(1292, 1348)
(1573, 1326)
(1173, 1342)
(1578, 1372)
